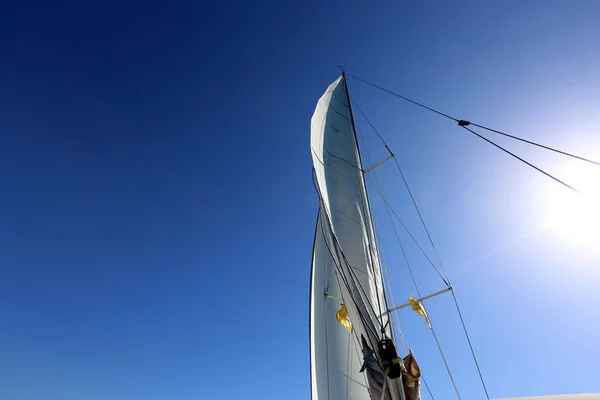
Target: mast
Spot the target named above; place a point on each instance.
(386, 346)
(368, 204)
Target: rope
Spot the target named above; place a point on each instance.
(465, 123)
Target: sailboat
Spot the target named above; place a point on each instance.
(354, 353)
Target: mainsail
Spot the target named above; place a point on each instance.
(346, 273)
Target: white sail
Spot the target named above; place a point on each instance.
(346, 267)
(335, 357)
(338, 170)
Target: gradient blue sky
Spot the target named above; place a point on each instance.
(157, 209)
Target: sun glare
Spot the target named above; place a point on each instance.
(574, 217)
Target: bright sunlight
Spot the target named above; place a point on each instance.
(571, 216)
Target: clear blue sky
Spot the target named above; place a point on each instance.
(157, 209)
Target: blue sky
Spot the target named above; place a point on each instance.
(157, 209)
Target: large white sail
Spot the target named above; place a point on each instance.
(335, 354)
(346, 267)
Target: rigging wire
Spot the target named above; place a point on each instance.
(447, 280)
(419, 294)
(464, 123)
(380, 190)
(380, 249)
(403, 98)
(536, 144)
(392, 317)
(410, 234)
(524, 161)
(413, 276)
(387, 203)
